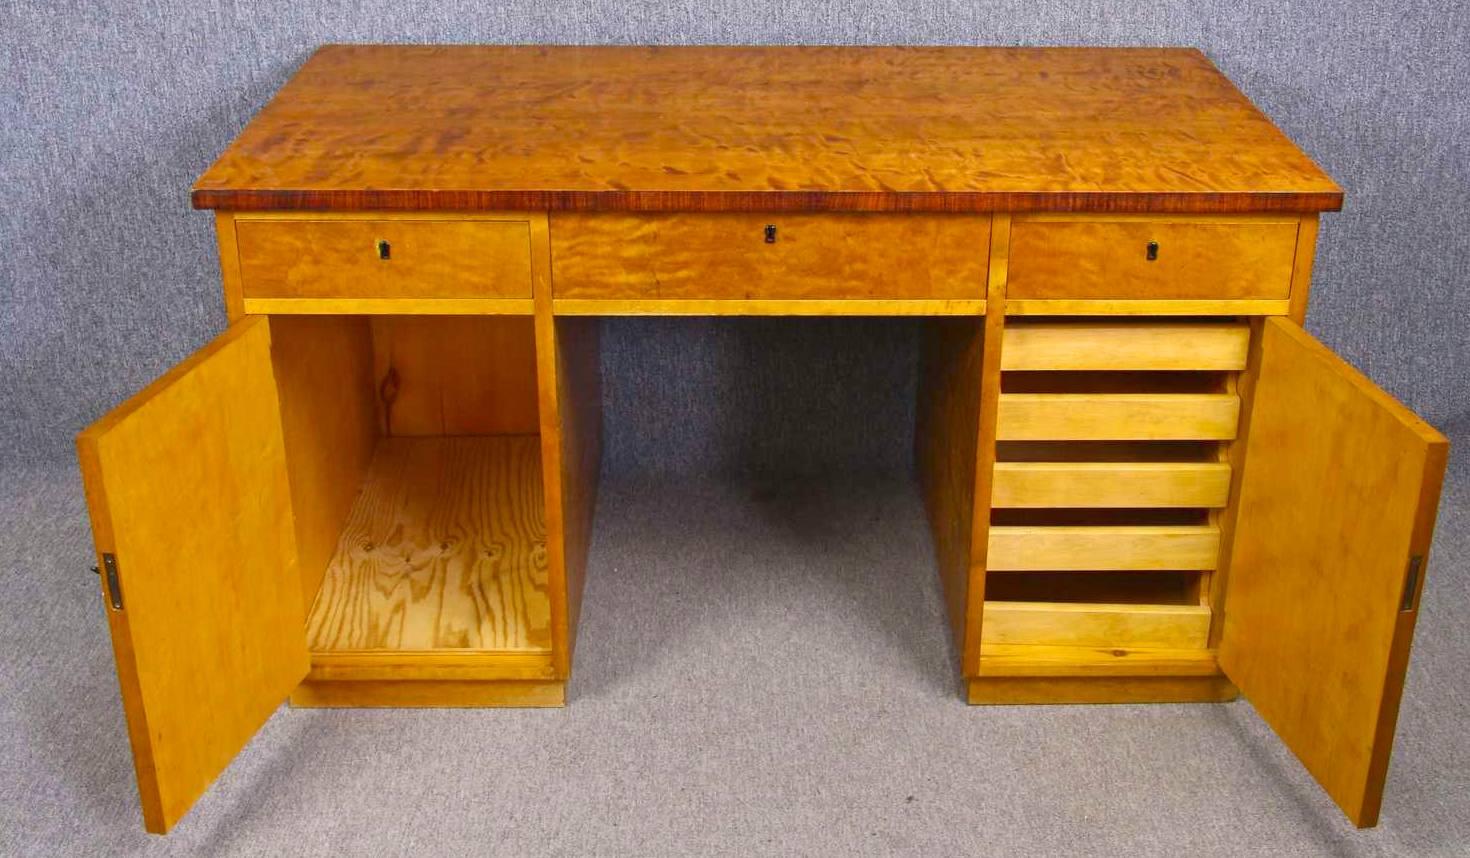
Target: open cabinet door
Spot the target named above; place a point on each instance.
(1336, 510)
(191, 515)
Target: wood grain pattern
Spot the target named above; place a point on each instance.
(1112, 345)
(1055, 547)
(1332, 509)
(428, 257)
(1234, 452)
(946, 450)
(1301, 272)
(445, 549)
(324, 376)
(439, 694)
(389, 306)
(762, 129)
(767, 307)
(726, 256)
(1079, 624)
(579, 396)
(186, 485)
(1117, 416)
(569, 387)
(1111, 484)
(1103, 689)
(455, 375)
(1098, 257)
(1031, 660)
(457, 665)
(990, 388)
(1147, 307)
(229, 266)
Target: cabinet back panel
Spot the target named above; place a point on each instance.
(455, 375)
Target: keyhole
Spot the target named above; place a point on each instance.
(770, 233)
(1153, 251)
(385, 250)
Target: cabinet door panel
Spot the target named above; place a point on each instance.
(187, 488)
(1337, 504)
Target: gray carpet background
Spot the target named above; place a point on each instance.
(763, 667)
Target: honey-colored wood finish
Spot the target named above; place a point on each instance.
(1100, 257)
(1301, 274)
(1233, 453)
(444, 664)
(187, 488)
(1111, 484)
(362, 127)
(390, 306)
(990, 387)
(1147, 307)
(579, 398)
(946, 449)
(229, 266)
(1080, 624)
(1112, 345)
(1109, 660)
(298, 257)
(767, 307)
(324, 376)
(1320, 604)
(409, 694)
(1117, 416)
(1100, 689)
(455, 375)
(1055, 547)
(569, 390)
(444, 549)
(612, 256)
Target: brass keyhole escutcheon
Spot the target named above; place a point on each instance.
(385, 250)
(770, 233)
(1152, 253)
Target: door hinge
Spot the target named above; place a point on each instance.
(1411, 582)
(114, 586)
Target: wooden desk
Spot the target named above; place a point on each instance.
(1145, 481)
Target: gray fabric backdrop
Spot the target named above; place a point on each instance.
(107, 277)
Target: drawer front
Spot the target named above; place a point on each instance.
(1113, 345)
(1121, 485)
(739, 256)
(387, 258)
(1173, 627)
(1053, 257)
(1054, 548)
(1117, 416)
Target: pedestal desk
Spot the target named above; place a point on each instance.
(1145, 481)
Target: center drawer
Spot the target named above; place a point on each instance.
(383, 257)
(769, 256)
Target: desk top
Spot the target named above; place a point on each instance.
(771, 129)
